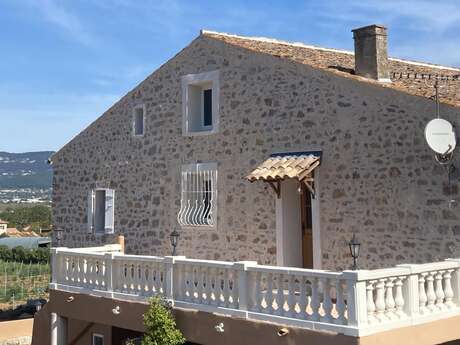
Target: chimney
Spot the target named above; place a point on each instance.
(371, 53)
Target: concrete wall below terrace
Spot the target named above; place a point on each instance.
(198, 327)
(377, 179)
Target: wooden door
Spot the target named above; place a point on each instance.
(307, 228)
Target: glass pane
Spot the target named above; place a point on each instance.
(139, 122)
(98, 340)
(207, 107)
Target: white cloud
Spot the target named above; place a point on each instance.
(59, 15)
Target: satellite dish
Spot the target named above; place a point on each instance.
(440, 136)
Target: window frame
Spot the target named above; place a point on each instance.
(135, 109)
(97, 335)
(92, 201)
(201, 80)
(197, 167)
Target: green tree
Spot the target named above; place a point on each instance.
(160, 325)
(38, 215)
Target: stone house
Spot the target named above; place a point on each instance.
(278, 152)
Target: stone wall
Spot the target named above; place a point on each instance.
(378, 178)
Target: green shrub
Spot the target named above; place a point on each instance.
(160, 325)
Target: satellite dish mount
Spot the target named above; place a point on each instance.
(441, 138)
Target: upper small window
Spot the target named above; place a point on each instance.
(200, 98)
(139, 120)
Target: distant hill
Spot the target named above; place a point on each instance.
(25, 170)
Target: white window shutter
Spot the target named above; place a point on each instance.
(91, 205)
(109, 211)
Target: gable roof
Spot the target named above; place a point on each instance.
(412, 77)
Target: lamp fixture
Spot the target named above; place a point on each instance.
(354, 246)
(174, 238)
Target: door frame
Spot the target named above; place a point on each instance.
(285, 225)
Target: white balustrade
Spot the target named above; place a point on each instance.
(350, 302)
(213, 283)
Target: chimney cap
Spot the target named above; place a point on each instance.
(376, 29)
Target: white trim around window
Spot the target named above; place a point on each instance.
(193, 86)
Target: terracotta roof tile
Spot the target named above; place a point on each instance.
(286, 166)
(406, 76)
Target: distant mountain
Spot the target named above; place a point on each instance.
(29, 170)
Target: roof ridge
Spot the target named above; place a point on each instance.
(303, 45)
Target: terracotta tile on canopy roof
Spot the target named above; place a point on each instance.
(405, 75)
(279, 167)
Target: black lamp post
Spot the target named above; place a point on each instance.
(354, 251)
(174, 237)
(58, 236)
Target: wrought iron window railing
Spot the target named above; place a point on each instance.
(198, 195)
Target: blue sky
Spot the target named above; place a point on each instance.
(62, 63)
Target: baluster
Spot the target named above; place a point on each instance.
(234, 276)
(258, 296)
(269, 294)
(422, 294)
(81, 271)
(84, 272)
(199, 286)
(132, 276)
(327, 303)
(189, 282)
(399, 298)
(389, 299)
(303, 298)
(218, 288)
(156, 284)
(314, 301)
(439, 291)
(430, 294)
(90, 268)
(380, 300)
(149, 272)
(449, 293)
(279, 295)
(126, 274)
(339, 302)
(195, 279)
(370, 302)
(226, 289)
(291, 302)
(207, 288)
(141, 278)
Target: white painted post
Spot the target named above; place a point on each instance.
(356, 299)
(244, 287)
(58, 330)
(455, 280)
(170, 278)
(54, 268)
(411, 293)
(108, 258)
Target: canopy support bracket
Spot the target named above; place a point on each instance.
(276, 185)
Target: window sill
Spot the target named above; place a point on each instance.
(200, 133)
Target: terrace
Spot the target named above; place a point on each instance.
(353, 303)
